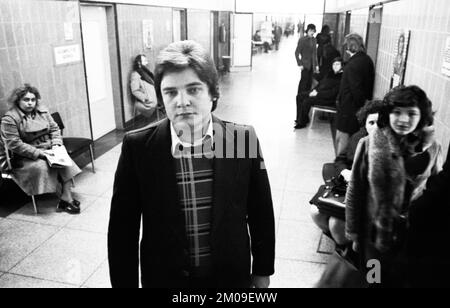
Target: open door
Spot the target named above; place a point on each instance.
(98, 70)
(242, 28)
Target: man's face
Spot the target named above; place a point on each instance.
(187, 100)
(311, 33)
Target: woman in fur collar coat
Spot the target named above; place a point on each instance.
(390, 170)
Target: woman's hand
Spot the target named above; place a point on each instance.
(346, 174)
(313, 93)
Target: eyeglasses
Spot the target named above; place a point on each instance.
(27, 99)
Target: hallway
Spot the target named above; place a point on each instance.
(58, 250)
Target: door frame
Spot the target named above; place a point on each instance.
(109, 9)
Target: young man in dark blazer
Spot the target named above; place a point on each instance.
(306, 57)
(199, 186)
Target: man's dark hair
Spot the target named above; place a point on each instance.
(407, 96)
(355, 43)
(311, 27)
(182, 55)
(375, 106)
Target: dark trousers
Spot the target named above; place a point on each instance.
(305, 81)
(304, 104)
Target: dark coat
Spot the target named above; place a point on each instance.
(328, 88)
(429, 232)
(356, 88)
(146, 187)
(307, 48)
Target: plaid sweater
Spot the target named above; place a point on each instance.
(195, 178)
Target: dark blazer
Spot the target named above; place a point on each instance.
(356, 87)
(429, 233)
(146, 187)
(307, 48)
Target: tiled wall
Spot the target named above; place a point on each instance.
(429, 22)
(131, 43)
(29, 30)
(358, 22)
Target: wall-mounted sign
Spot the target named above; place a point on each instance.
(400, 59)
(147, 32)
(446, 64)
(67, 54)
(68, 31)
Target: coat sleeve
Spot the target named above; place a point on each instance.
(124, 223)
(329, 91)
(298, 52)
(135, 87)
(261, 217)
(55, 132)
(315, 60)
(10, 134)
(356, 84)
(356, 196)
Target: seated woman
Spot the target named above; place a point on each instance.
(368, 117)
(390, 172)
(324, 94)
(142, 88)
(28, 130)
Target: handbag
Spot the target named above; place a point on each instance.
(330, 198)
(341, 271)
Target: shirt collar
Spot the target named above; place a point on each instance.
(176, 140)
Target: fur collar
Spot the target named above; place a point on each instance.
(387, 179)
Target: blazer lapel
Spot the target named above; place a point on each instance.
(160, 159)
(225, 172)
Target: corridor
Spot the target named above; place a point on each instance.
(59, 250)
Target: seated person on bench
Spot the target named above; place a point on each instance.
(324, 94)
(28, 131)
(368, 117)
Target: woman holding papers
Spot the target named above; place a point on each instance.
(30, 134)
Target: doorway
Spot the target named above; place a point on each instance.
(179, 25)
(242, 29)
(215, 37)
(98, 70)
(374, 32)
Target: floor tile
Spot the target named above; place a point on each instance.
(69, 257)
(94, 184)
(305, 181)
(100, 279)
(47, 210)
(19, 238)
(296, 274)
(94, 219)
(107, 162)
(296, 206)
(12, 281)
(299, 241)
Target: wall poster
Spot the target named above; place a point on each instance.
(446, 63)
(401, 58)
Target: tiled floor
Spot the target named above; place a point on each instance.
(58, 250)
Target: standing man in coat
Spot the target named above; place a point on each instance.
(356, 88)
(306, 56)
(199, 186)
